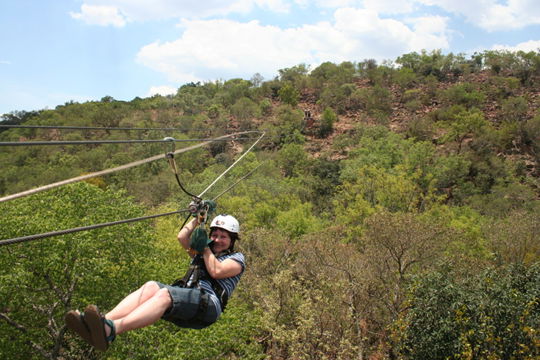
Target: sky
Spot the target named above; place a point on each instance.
(53, 52)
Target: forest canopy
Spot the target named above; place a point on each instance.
(394, 212)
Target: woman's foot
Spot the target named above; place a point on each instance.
(102, 330)
(75, 321)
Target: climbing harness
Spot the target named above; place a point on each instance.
(197, 272)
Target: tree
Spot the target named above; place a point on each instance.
(396, 247)
(464, 125)
(288, 94)
(43, 279)
(491, 315)
(245, 110)
(328, 119)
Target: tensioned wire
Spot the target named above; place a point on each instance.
(95, 142)
(122, 167)
(95, 226)
(63, 127)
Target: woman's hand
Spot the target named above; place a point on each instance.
(220, 269)
(185, 233)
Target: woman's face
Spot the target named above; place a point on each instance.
(221, 239)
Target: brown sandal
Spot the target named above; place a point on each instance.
(96, 324)
(75, 321)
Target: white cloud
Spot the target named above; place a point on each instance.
(531, 45)
(144, 10)
(163, 90)
(5, 62)
(224, 49)
(278, 6)
(100, 15)
(390, 6)
(493, 15)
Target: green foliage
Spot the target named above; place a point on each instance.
(465, 124)
(292, 159)
(514, 109)
(420, 128)
(287, 126)
(328, 119)
(491, 315)
(405, 77)
(245, 110)
(531, 134)
(434, 63)
(523, 65)
(296, 75)
(500, 87)
(233, 90)
(375, 100)
(504, 199)
(341, 97)
(335, 230)
(68, 271)
(413, 99)
(288, 94)
(298, 220)
(463, 94)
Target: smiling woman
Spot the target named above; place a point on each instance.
(196, 301)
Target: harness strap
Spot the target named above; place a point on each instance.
(195, 273)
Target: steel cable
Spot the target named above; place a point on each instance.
(83, 228)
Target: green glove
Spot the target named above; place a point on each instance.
(199, 239)
(210, 204)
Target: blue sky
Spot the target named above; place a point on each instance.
(52, 52)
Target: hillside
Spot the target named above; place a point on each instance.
(394, 212)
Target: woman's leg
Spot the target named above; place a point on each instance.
(133, 300)
(147, 313)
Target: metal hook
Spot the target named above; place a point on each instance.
(172, 140)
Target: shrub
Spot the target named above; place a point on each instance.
(493, 315)
(328, 119)
(514, 109)
(289, 94)
(463, 94)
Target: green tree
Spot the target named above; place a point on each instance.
(288, 94)
(67, 271)
(489, 315)
(328, 119)
(465, 124)
(245, 110)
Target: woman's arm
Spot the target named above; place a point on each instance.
(185, 232)
(220, 270)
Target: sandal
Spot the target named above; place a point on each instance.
(75, 321)
(96, 324)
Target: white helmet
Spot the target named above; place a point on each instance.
(226, 222)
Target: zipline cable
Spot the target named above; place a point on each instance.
(232, 165)
(96, 142)
(84, 228)
(173, 165)
(236, 183)
(62, 127)
(109, 171)
(95, 226)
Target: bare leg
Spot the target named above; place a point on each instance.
(145, 314)
(133, 301)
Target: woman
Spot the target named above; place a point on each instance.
(195, 302)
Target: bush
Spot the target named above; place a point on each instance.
(288, 94)
(494, 315)
(463, 94)
(328, 119)
(514, 109)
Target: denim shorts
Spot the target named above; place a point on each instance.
(186, 310)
